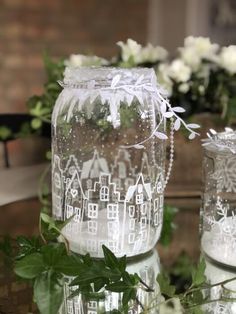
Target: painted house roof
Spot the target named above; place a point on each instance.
(133, 188)
(75, 176)
(96, 163)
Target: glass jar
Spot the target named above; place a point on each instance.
(215, 274)
(108, 159)
(219, 198)
(147, 267)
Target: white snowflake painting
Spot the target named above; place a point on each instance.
(225, 174)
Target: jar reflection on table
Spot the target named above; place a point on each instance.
(219, 198)
(109, 183)
(215, 274)
(147, 267)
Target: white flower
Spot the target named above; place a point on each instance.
(183, 88)
(179, 71)
(201, 89)
(173, 306)
(227, 59)
(130, 49)
(78, 60)
(163, 77)
(153, 54)
(139, 54)
(197, 48)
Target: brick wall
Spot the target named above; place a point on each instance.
(28, 27)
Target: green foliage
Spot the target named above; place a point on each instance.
(44, 262)
(30, 266)
(198, 274)
(47, 263)
(168, 224)
(165, 287)
(51, 262)
(183, 267)
(41, 107)
(5, 133)
(108, 274)
(192, 299)
(48, 292)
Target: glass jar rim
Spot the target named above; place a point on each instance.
(107, 77)
(221, 141)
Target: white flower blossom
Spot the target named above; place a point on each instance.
(78, 60)
(183, 88)
(153, 54)
(163, 77)
(130, 49)
(172, 306)
(139, 54)
(201, 89)
(227, 59)
(179, 71)
(196, 49)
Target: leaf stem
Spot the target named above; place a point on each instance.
(148, 289)
(40, 231)
(211, 301)
(192, 289)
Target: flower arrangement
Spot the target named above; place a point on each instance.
(201, 78)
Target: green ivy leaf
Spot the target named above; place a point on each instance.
(168, 225)
(30, 266)
(197, 297)
(99, 284)
(109, 258)
(28, 246)
(129, 294)
(165, 287)
(48, 292)
(198, 274)
(52, 253)
(122, 263)
(69, 265)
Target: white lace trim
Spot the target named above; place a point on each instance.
(113, 87)
(223, 141)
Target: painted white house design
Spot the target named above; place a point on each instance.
(92, 195)
(71, 167)
(75, 200)
(123, 175)
(103, 212)
(138, 210)
(145, 167)
(91, 170)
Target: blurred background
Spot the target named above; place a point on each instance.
(30, 27)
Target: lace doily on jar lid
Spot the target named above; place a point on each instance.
(221, 141)
(104, 77)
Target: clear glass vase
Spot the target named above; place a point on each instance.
(108, 159)
(215, 274)
(219, 198)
